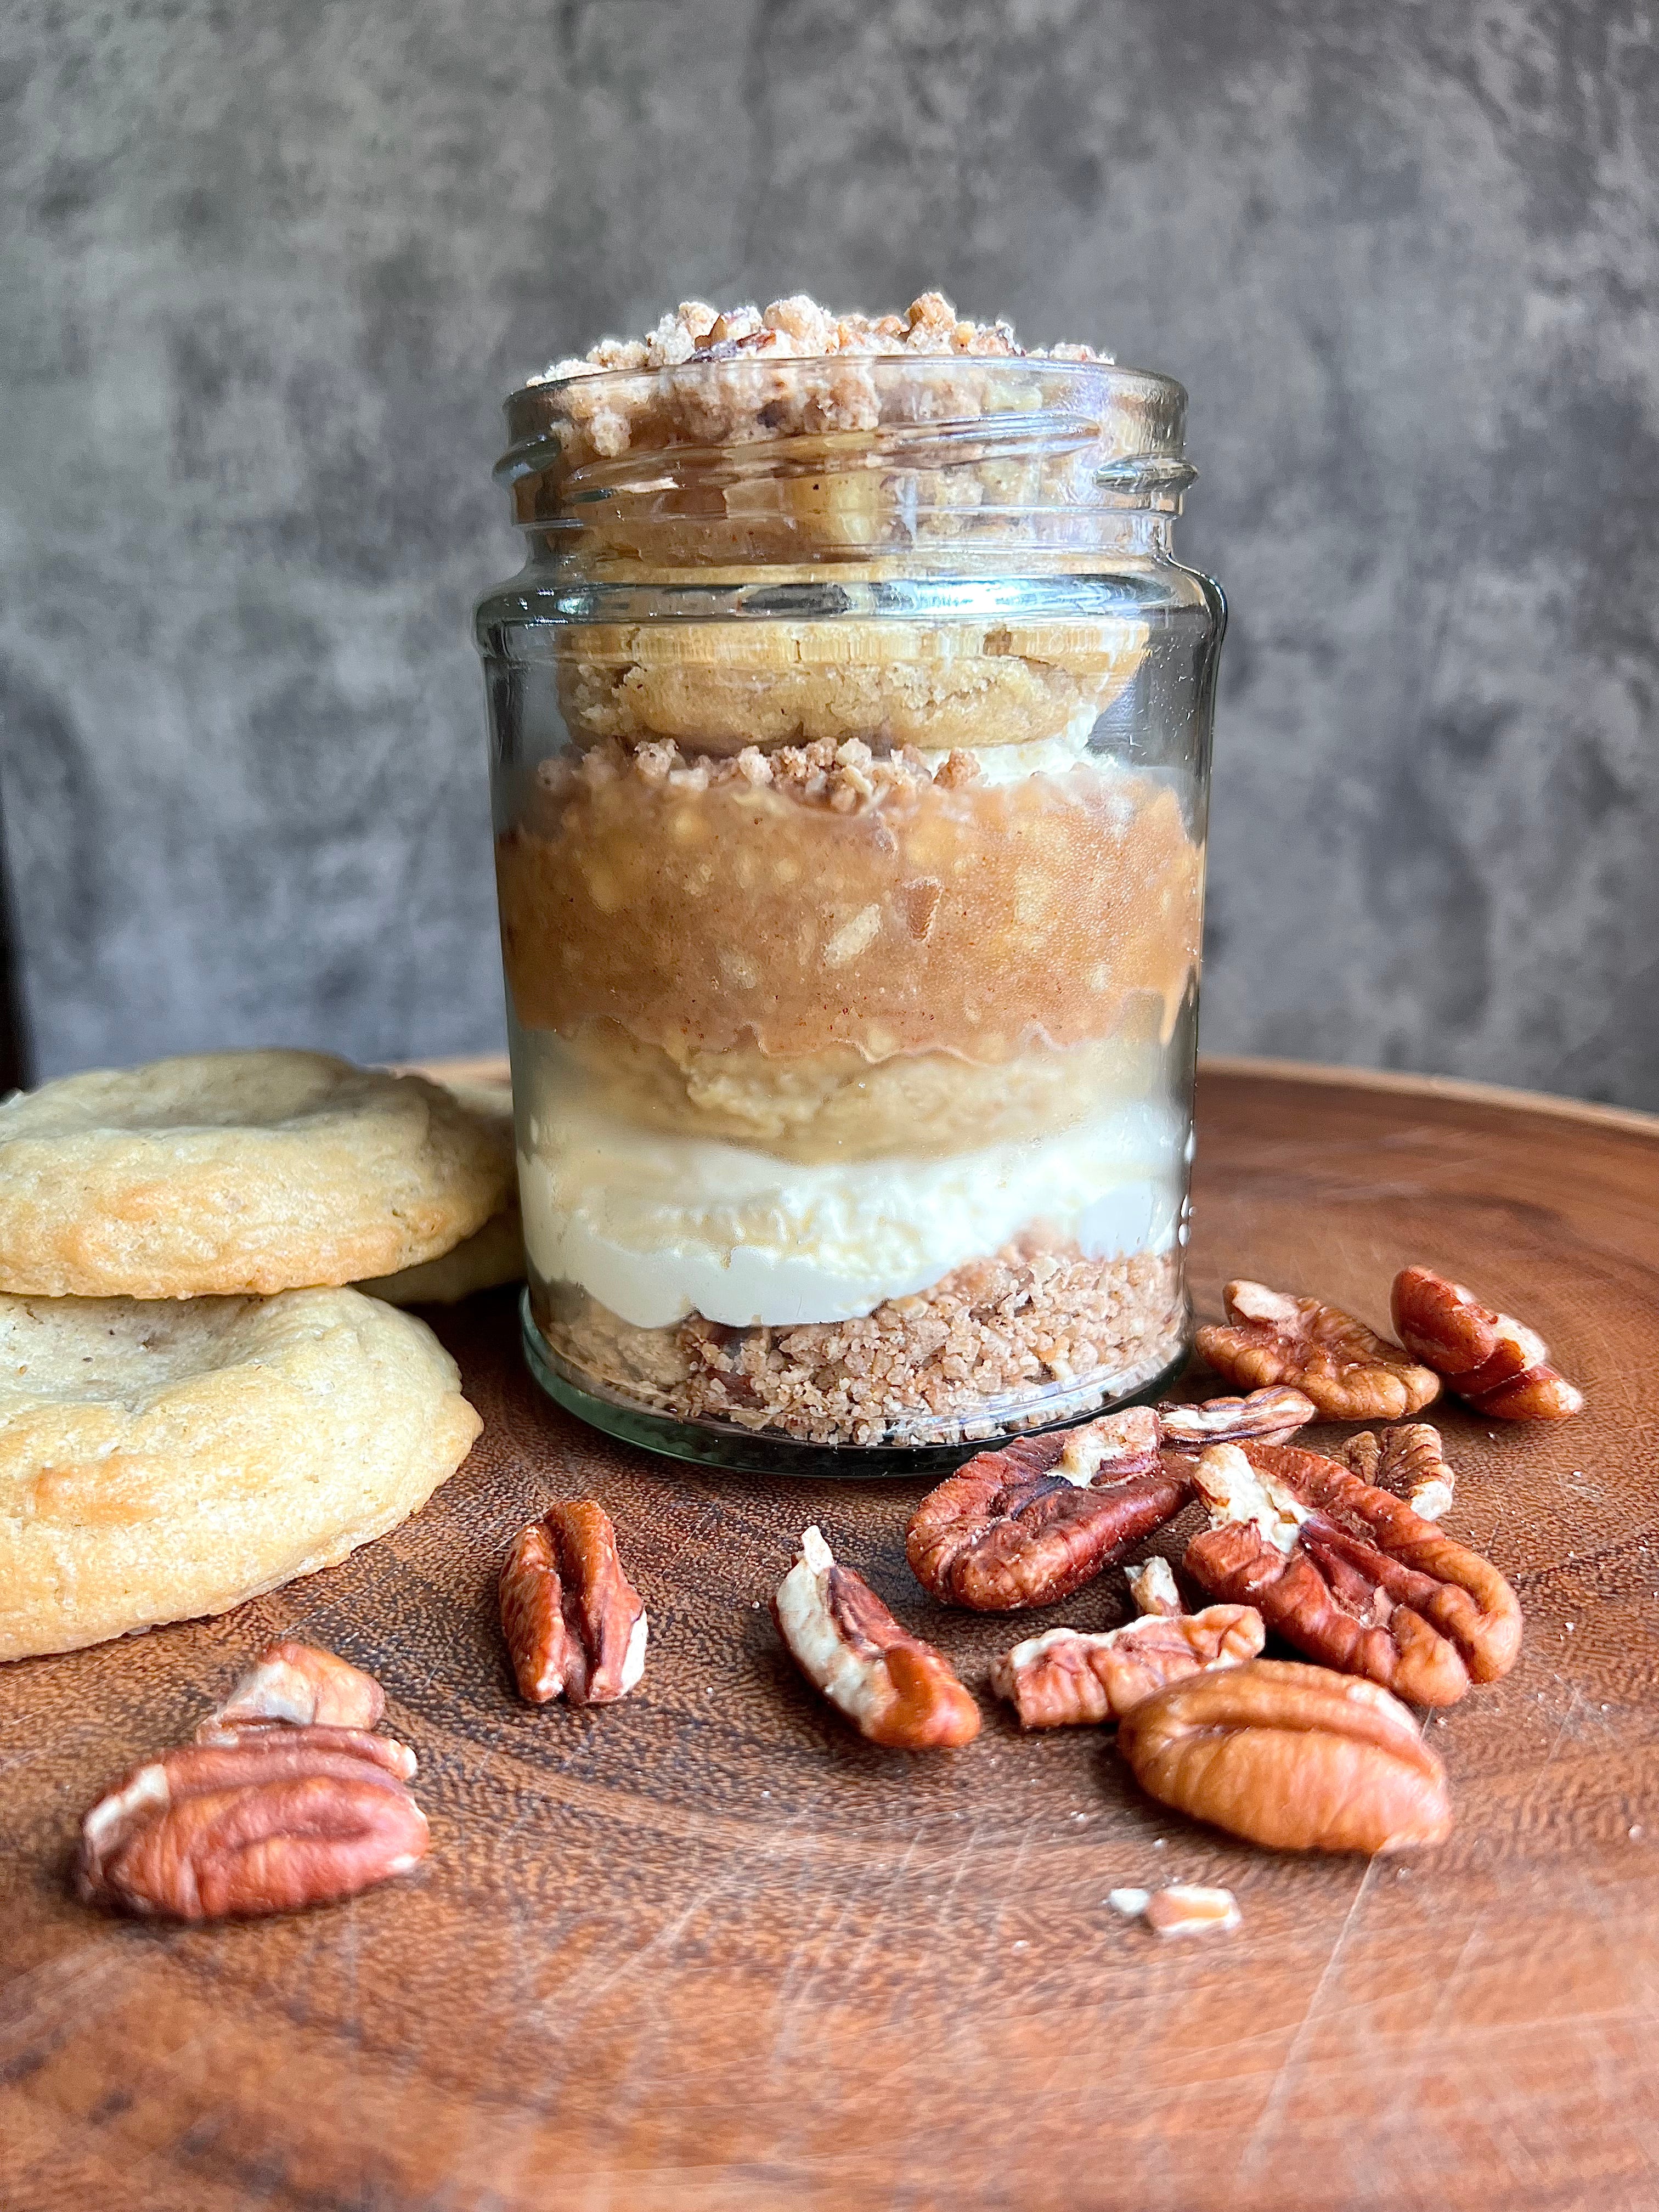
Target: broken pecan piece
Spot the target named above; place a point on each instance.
(1180, 1910)
(1031, 1522)
(1410, 1461)
(1349, 1372)
(1152, 1586)
(1350, 1575)
(1065, 1679)
(575, 1625)
(298, 1682)
(1184, 1909)
(1493, 1362)
(1272, 1416)
(1290, 1756)
(283, 1818)
(893, 1688)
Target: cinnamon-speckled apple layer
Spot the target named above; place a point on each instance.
(820, 897)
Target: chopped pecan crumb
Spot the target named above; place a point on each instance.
(846, 777)
(1180, 1910)
(1350, 1575)
(1030, 1334)
(797, 329)
(1152, 1586)
(895, 1689)
(1492, 1361)
(1183, 1909)
(1349, 1372)
(711, 377)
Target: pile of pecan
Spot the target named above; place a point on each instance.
(286, 1798)
(1342, 1558)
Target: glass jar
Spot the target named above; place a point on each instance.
(850, 730)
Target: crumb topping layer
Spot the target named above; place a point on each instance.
(799, 329)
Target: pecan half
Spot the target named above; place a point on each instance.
(1350, 1575)
(1292, 1756)
(1349, 1372)
(1495, 1363)
(383, 1750)
(575, 1625)
(1033, 1522)
(1409, 1460)
(285, 1817)
(1272, 1416)
(300, 1683)
(893, 1688)
(1065, 1679)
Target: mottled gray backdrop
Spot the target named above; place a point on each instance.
(269, 270)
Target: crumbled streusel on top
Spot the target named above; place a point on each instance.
(797, 329)
(844, 777)
(707, 379)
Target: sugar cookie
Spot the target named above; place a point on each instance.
(161, 1460)
(224, 1173)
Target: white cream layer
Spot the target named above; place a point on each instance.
(1040, 757)
(656, 1225)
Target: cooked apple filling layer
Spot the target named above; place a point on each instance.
(822, 897)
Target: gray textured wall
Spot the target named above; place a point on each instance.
(271, 269)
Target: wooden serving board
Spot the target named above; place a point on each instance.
(707, 1950)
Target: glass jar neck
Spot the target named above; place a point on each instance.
(941, 462)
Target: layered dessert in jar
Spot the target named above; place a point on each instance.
(850, 723)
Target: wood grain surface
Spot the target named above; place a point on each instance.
(707, 1949)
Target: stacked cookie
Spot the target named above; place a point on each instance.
(195, 1404)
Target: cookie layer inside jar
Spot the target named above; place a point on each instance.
(718, 688)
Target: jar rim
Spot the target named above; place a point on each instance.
(720, 397)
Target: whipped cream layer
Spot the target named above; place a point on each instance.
(656, 1226)
(1055, 756)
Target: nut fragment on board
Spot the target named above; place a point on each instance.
(1493, 1362)
(284, 1818)
(1270, 1416)
(1290, 1756)
(1350, 1575)
(1031, 1522)
(1411, 1462)
(1065, 1679)
(1349, 1373)
(302, 1684)
(1183, 1909)
(895, 1689)
(1152, 1586)
(575, 1625)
